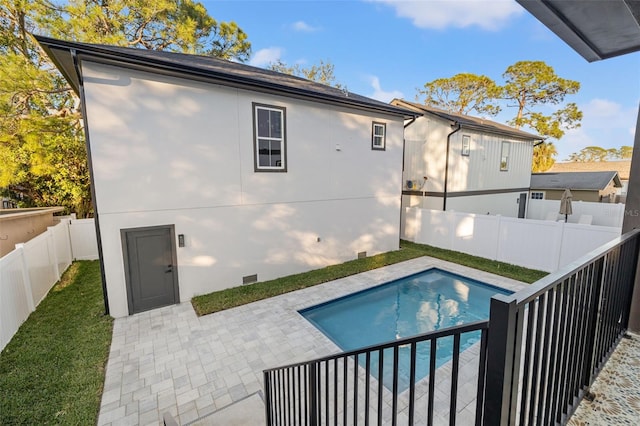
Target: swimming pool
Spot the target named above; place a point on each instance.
(430, 300)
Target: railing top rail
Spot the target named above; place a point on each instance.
(445, 332)
(544, 284)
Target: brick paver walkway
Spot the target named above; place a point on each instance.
(170, 360)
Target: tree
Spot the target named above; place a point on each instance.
(532, 84)
(596, 153)
(543, 157)
(463, 93)
(320, 73)
(42, 149)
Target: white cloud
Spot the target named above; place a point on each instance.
(265, 56)
(380, 94)
(441, 14)
(304, 27)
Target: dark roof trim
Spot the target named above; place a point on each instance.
(158, 64)
(469, 122)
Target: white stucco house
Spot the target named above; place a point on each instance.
(209, 174)
(464, 163)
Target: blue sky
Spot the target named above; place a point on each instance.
(389, 48)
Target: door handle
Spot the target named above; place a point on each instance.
(169, 268)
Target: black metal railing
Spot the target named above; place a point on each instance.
(548, 342)
(537, 356)
(380, 384)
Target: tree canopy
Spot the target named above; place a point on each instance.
(543, 157)
(42, 149)
(596, 153)
(531, 86)
(320, 73)
(463, 93)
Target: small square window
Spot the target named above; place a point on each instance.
(378, 136)
(504, 156)
(466, 145)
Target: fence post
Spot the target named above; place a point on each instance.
(26, 280)
(500, 361)
(51, 243)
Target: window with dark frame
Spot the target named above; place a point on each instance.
(270, 150)
(504, 156)
(537, 195)
(466, 145)
(378, 136)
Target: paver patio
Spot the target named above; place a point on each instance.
(170, 360)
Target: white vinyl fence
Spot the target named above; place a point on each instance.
(602, 214)
(537, 244)
(30, 271)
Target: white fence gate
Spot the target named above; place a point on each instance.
(30, 271)
(538, 244)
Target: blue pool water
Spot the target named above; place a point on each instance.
(423, 302)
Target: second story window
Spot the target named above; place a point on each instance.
(504, 156)
(466, 145)
(379, 136)
(269, 138)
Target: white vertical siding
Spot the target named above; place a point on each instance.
(425, 155)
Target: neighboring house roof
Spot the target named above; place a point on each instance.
(622, 167)
(67, 54)
(468, 121)
(580, 181)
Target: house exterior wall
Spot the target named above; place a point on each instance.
(174, 151)
(425, 155)
(578, 195)
(21, 225)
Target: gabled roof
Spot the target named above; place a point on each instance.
(67, 55)
(580, 181)
(622, 167)
(468, 122)
(595, 29)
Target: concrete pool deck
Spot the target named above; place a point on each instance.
(171, 360)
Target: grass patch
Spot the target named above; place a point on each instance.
(52, 371)
(236, 296)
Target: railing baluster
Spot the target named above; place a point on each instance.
(313, 408)
(482, 371)
(367, 384)
(412, 382)
(537, 349)
(432, 379)
(335, 393)
(380, 382)
(345, 414)
(453, 403)
(394, 404)
(527, 361)
(355, 389)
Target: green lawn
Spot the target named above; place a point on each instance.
(52, 371)
(225, 299)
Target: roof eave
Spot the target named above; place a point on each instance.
(101, 55)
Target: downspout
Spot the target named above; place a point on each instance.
(446, 164)
(402, 182)
(83, 110)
